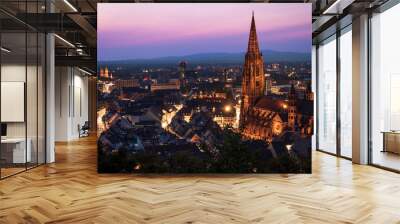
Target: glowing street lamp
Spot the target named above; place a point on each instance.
(228, 108)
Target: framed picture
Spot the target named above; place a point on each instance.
(204, 88)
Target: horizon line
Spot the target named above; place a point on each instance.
(215, 52)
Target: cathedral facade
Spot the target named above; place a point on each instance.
(265, 117)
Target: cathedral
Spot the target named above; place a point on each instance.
(105, 73)
(265, 117)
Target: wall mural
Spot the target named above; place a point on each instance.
(204, 88)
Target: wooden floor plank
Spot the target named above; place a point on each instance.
(71, 191)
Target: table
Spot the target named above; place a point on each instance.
(13, 150)
(391, 141)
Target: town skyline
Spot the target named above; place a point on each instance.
(244, 117)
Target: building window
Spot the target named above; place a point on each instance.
(346, 92)
(327, 95)
(385, 89)
(22, 78)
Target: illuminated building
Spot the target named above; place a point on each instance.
(126, 83)
(213, 91)
(182, 68)
(268, 84)
(253, 79)
(173, 84)
(105, 73)
(225, 117)
(265, 117)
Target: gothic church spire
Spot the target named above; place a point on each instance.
(253, 41)
(253, 78)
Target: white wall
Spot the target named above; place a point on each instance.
(33, 126)
(80, 105)
(10, 73)
(71, 102)
(61, 103)
(17, 73)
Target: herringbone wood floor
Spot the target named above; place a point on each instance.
(70, 191)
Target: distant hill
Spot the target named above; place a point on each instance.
(270, 56)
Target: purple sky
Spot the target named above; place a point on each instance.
(150, 30)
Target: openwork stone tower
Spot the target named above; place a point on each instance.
(253, 79)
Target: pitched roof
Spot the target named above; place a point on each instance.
(304, 107)
(269, 103)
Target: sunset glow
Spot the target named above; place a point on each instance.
(130, 31)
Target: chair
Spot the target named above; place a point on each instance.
(84, 130)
